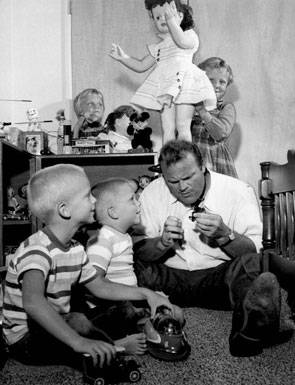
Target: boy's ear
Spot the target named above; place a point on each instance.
(112, 212)
(64, 211)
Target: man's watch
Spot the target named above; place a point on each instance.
(223, 241)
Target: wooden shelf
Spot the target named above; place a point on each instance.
(15, 171)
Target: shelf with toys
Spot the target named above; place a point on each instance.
(17, 165)
(15, 221)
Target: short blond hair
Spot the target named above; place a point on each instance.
(49, 186)
(217, 62)
(106, 193)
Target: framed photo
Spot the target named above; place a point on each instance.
(34, 141)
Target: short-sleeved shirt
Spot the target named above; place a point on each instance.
(62, 267)
(234, 200)
(112, 251)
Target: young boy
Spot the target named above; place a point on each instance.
(38, 326)
(111, 250)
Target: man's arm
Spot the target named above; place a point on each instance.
(213, 227)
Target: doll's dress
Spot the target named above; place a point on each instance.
(216, 153)
(174, 78)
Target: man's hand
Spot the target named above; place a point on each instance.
(211, 224)
(172, 232)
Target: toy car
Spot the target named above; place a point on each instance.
(17, 217)
(172, 344)
(120, 370)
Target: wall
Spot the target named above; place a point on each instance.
(35, 59)
(254, 36)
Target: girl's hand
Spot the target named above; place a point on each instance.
(117, 53)
(170, 10)
(100, 351)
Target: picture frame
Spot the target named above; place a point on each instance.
(34, 141)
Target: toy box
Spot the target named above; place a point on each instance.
(91, 147)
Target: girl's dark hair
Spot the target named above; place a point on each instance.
(176, 150)
(186, 10)
(117, 114)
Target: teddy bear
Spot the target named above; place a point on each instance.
(140, 131)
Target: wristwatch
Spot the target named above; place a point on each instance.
(223, 241)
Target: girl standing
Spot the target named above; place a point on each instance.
(210, 130)
(175, 85)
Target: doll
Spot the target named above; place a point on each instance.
(116, 125)
(138, 127)
(89, 109)
(176, 85)
(33, 116)
(12, 204)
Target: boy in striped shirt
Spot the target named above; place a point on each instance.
(37, 321)
(110, 250)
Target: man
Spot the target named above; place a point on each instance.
(201, 234)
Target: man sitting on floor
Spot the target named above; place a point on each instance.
(198, 243)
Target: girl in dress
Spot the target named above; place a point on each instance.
(210, 130)
(176, 85)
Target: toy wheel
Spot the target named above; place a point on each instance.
(134, 376)
(99, 381)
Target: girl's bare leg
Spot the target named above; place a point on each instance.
(168, 123)
(184, 115)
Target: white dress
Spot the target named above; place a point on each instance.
(174, 78)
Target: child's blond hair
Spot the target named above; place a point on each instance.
(106, 193)
(217, 62)
(49, 186)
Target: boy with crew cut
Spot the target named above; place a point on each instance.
(38, 325)
(110, 250)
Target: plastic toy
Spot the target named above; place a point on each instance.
(33, 116)
(143, 182)
(12, 203)
(120, 370)
(15, 217)
(138, 127)
(172, 344)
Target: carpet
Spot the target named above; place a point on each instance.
(209, 363)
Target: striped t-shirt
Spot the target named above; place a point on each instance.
(112, 251)
(62, 266)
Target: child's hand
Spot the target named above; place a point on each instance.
(95, 349)
(117, 53)
(156, 300)
(170, 10)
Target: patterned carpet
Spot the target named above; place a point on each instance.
(209, 363)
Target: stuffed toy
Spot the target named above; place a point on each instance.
(12, 203)
(143, 182)
(138, 127)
